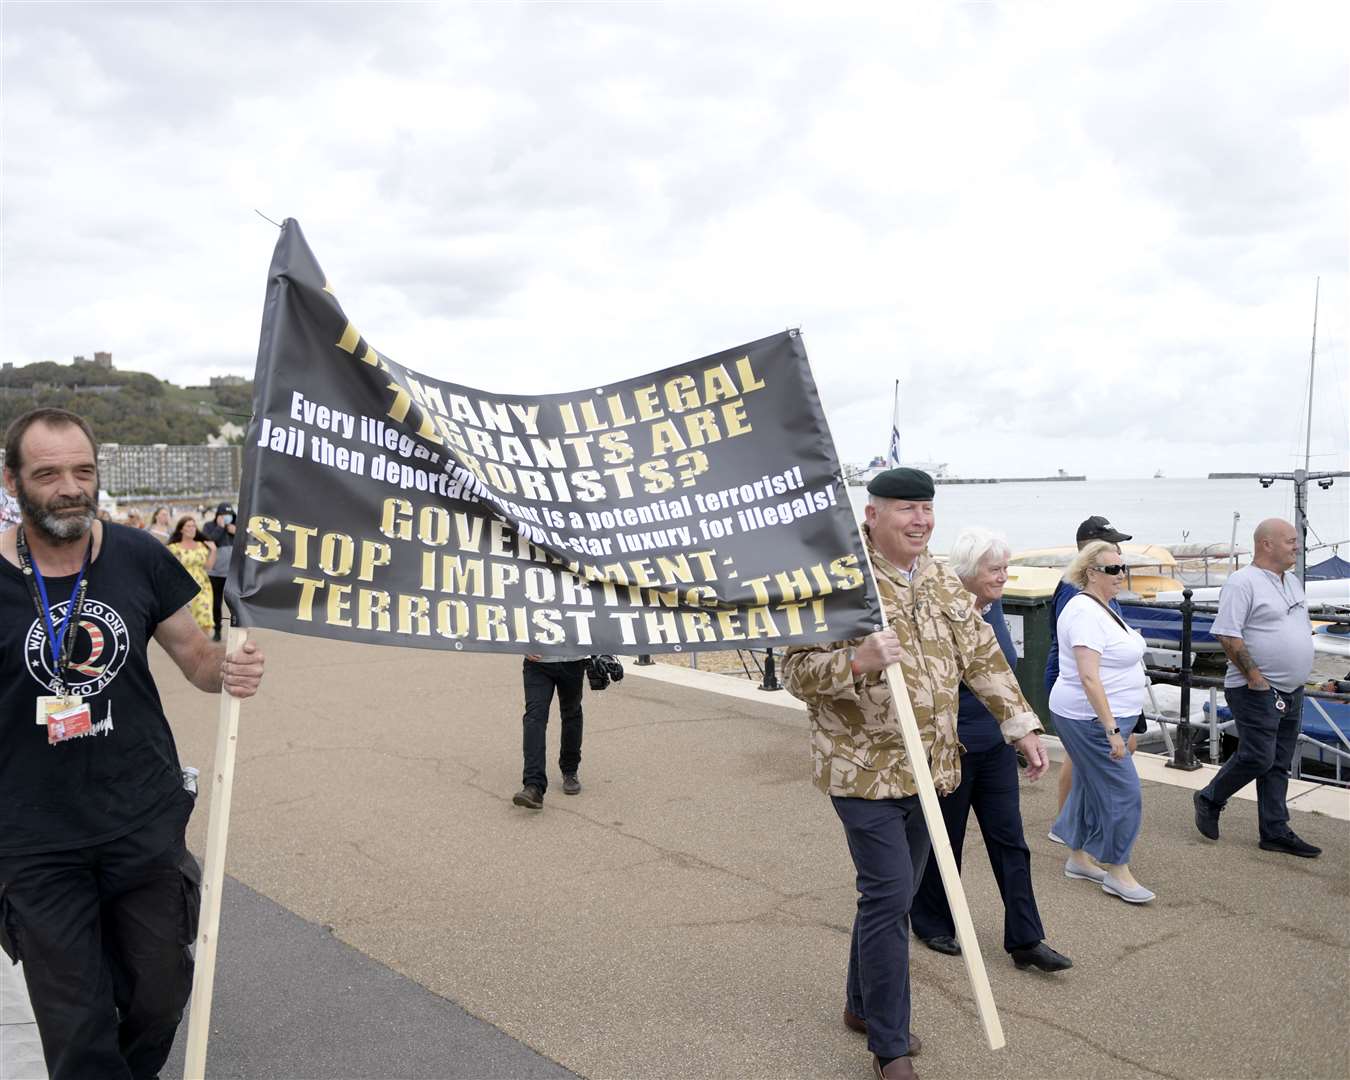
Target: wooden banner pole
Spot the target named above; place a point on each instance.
(942, 851)
(213, 875)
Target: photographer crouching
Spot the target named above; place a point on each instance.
(542, 676)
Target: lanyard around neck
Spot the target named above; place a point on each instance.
(60, 640)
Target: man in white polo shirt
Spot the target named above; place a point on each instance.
(1263, 627)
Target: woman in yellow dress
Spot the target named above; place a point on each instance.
(195, 555)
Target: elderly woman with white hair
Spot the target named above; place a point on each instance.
(1095, 700)
(988, 786)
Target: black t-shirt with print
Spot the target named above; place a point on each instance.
(101, 785)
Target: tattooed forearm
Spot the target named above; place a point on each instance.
(1237, 652)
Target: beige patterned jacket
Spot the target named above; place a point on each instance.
(856, 746)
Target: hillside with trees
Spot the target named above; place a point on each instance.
(129, 407)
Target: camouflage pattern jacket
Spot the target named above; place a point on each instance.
(856, 746)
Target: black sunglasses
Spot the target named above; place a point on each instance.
(1119, 568)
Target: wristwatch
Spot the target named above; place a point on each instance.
(1113, 731)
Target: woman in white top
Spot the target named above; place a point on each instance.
(1095, 702)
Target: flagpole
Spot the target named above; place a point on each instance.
(213, 876)
(893, 447)
(942, 846)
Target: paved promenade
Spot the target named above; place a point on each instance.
(391, 913)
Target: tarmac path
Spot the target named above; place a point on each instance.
(687, 915)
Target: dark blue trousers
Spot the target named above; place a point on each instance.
(989, 787)
(1267, 739)
(889, 844)
(540, 682)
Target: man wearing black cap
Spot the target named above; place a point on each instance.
(858, 755)
(220, 531)
(1094, 528)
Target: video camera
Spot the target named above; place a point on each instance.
(602, 669)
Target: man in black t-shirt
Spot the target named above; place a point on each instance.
(98, 893)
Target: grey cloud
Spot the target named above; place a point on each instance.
(446, 284)
(1190, 105)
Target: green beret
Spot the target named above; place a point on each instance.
(913, 484)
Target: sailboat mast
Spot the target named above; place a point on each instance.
(1301, 475)
(1312, 368)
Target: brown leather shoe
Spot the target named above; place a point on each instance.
(899, 1069)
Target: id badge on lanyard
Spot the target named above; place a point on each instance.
(63, 714)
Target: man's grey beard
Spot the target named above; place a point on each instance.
(55, 527)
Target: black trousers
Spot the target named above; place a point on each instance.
(989, 787)
(217, 594)
(103, 934)
(540, 682)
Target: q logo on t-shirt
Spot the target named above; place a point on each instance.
(100, 648)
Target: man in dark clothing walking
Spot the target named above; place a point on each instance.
(220, 531)
(542, 676)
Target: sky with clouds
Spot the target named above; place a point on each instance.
(1081, 236)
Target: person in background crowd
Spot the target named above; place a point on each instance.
(1094, 528)
(858, 754)
(220, 531)
(1099, 688)
(134, 520)
(195, 556)
(988, 786)
(1264, 629)
(98, 891)
(543, 675)
(9, 511)
(160, 525)
(104, 516)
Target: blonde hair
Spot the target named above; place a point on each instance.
(1076, 572)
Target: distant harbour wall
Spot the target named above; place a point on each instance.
(167, 470)
(857, 481)
(1004, 479)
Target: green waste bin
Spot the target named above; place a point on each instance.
(1029, 620)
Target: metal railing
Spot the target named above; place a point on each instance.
(766, 671)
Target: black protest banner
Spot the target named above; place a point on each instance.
(700, 507)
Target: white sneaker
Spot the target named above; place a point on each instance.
(1131, 894)
(1054, 838)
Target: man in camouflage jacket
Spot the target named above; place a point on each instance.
(858, 755)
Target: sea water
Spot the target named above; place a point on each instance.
(1182, 511)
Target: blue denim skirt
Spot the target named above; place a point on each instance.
(1105, 808)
